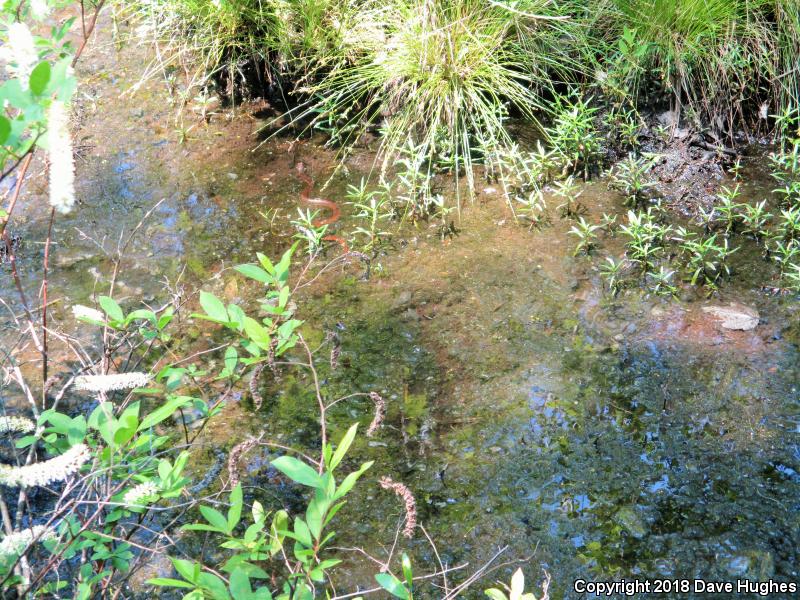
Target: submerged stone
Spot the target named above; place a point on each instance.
(735, 316)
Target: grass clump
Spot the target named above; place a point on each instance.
(443, 74)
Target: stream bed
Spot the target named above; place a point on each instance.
(595, 437)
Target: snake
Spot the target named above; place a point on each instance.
(305, 197)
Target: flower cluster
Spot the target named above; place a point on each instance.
(62, 164)
(15, 543)
(85, 312)
(408, 498)
(21, 52)
(16, 425)
(380, 412)
(139, 495)
(43, 473)
(110, 383)
(39, 9)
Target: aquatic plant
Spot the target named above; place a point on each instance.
(661, 281)
(728, 210)
(439, 73)
(608, 223)
(374, 206)
(573, 134)
(611, 270)
(786, 253)
(585, 232)
(629, 176)
(532, 207)
(516, 589)
(646, 238)
(755, 219)
(705, 53)
(569, 191)
(307, 232)
(789, 223)
(707, 259)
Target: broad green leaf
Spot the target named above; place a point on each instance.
(254, 272)
(344, 446)
(314, 515)
(257, 333)
(216, 518)
(240, 585)
(164, 412)
(408, 573)
(214, 307)
(298, 471)
(166, 581)
(5, 131)
(235, 511)
(188, 570)
(111, 308)
(40, 76)
(350, 480)
(392, 585)
(266, 263)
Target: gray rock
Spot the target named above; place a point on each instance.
(737, 317)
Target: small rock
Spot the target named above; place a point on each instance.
(233, 176)
(735, 316)
(403, 300)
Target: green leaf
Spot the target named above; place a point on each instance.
(214, 307)
(111, 308)
(240, 585)
(350, 480)
(314, 515)
(408, 573)
(257, 333)
(188, 570)
(235, 511)
(298, 471)
(254, 272)
(344, 446)
(266, 263)
(392, 585)
(302, 533)
(5, 130)
(164, 412)
(40, 76)
(216, 518)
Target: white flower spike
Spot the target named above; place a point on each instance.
(110, 383)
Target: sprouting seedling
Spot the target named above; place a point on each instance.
(789, 224)
(754, 219)
(568, 190)
(608, 223)
(736, 167)
(586, 235)
(727, 209)
(533, 207)
(662, 281)
(308, 232)
(611, 272)
(786, 253)
(630, 178)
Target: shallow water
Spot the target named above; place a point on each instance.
(596, 437)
